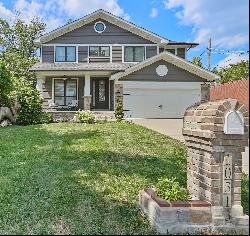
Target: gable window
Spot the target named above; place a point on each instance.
(65, 90)
(65, 54)
(99, 51)
(134, 53)
(99, 27)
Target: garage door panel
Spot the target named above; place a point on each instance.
(158, 103)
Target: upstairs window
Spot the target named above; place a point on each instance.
(134, 53)
(171, 51)
(65, 54)
(99, 51)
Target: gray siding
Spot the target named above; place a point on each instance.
(112, 35)
(47, 92)
(151, 51)
(96, 59)
(181, 52)
(48, 54)
(83, 52)
(81, 83)
(117, 54)
(175, 74)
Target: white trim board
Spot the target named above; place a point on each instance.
(175, 60)
(104, 15)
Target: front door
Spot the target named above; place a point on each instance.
(100, 93)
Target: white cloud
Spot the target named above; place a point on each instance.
(56, 12)
(154, 12)
(5, 13)
(225, 21)
(232, 59)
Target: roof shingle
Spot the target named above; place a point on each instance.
(68, 66)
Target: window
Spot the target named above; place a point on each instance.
(99, 51)
(65, 54)
(99, 27)
(65, 91)
(134, 54)
(171, 51)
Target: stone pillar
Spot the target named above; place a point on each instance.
(87, 96)
(216, 134)
(118, 93)
(205, 92)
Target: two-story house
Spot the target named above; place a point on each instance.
(90, 62)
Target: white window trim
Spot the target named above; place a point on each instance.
(65, 45)
(64, 78)
(133, 45)
(107, 45)
(100, 32)
(101, 45)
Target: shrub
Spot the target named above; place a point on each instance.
(6, 86)
(170, 189)
(29, 103)
(85, 117)
(46, 118)
(119, 110)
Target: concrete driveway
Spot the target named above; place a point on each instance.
(173, 129)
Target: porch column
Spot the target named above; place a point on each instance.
(39, 84)
(87, 96)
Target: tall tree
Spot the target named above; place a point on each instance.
(17, 47)
(197, 61)
(234, 72)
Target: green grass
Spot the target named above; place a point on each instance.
(81, 179)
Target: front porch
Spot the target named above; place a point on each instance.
(66, 94)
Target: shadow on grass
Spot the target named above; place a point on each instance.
(81, 180)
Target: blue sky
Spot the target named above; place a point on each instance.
(225, 21)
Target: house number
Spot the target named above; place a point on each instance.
(227, 181)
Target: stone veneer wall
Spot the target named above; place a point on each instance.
(205, 92)
(118, 93)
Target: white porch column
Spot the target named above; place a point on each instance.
(87, 97)
(39, 85)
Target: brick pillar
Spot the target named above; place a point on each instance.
(216, 134)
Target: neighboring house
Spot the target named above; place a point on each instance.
(91, 62)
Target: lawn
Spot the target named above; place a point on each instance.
(82, 179)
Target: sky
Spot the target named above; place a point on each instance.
(225, 21)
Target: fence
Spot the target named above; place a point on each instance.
(237, 90)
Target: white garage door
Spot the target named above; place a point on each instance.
(159, 100)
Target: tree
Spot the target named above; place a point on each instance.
(197, 61)
(6, 86)
(234, 72)
(18, 49)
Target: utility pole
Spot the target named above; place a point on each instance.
(209, 53)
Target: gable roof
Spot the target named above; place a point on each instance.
(171, 58)
(105, 16)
